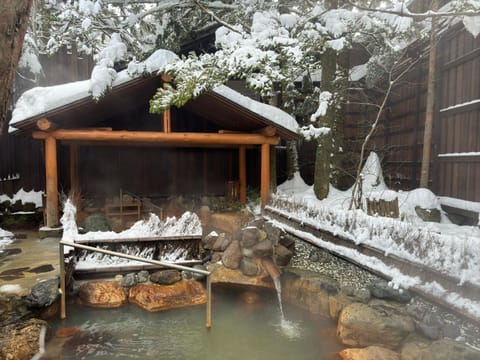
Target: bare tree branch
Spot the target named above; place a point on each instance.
(417, 16)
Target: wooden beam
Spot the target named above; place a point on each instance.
(242, 174)
(45, 124)
(265, 174)
(74, 183)
(267, 131)
(159, 137)
(51, 182)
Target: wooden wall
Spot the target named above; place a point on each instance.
(455, 171)
(457, 135)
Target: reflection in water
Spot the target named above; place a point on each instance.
(239, 331)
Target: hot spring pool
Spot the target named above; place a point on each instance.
(245, 325)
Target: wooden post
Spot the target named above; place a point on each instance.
(242, 174)
(167, 127)
(51, 181)
(63, 311)
(265, 174)
(208, 321)
(74, 183)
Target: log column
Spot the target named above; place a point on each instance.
(265, 174)
(242, 174)
(74, 184)
(51, 181)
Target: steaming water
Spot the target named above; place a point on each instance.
(239, 331)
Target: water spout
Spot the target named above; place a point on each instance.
(287, 328)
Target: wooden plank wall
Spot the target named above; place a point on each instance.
(399, 137)
(457, 170)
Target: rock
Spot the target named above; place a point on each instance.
(221, 243)
(20, 340)
(273, 232)
(369, 353)
(431, 326)
(263, 249)
(248, 267)
(250, 236)
(163, 297)
(413, 348)
(378, 323)
(196, 276)
(432, 215)
(288, 241)
(229, 222)
(104, 294)
(96, 222)
(204, 215)
(336, 303)
(43, 294)
(209, 240)
(382, 290)
(313, 257)
(446, 349)
(232, 256)
(223, 275)
(282, 255)
(129, 280)
(308, 290)
(143, 276)
(166, 277)
(258, 222)
(362, 295)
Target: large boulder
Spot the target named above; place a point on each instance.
(43, 294)
(223, 275)
(163, 297)
(232, 256)
(166, 277)
(104, 294)
(21, 340)
(369, 353)
(308, 290)
(378, 323)
(446, 349)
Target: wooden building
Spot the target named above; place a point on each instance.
(97, 148)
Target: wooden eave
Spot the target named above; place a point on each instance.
(135, 95)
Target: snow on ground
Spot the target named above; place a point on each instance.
(6, 237)
(445, 247)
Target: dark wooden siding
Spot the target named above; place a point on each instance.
(399, 137)
(458, 117)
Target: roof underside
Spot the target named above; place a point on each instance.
(134, 96)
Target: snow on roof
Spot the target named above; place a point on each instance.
(269, 112)
(40, 100)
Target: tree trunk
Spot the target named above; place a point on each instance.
(324, 142)
(13, 26)
(427, 135)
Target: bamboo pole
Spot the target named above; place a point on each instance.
(242, 174)
(167, 127)
(51, 181)
(208, 322)
(265, 174)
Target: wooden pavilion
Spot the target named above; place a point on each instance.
(208, 135)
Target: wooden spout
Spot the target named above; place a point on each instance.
(271, 268)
